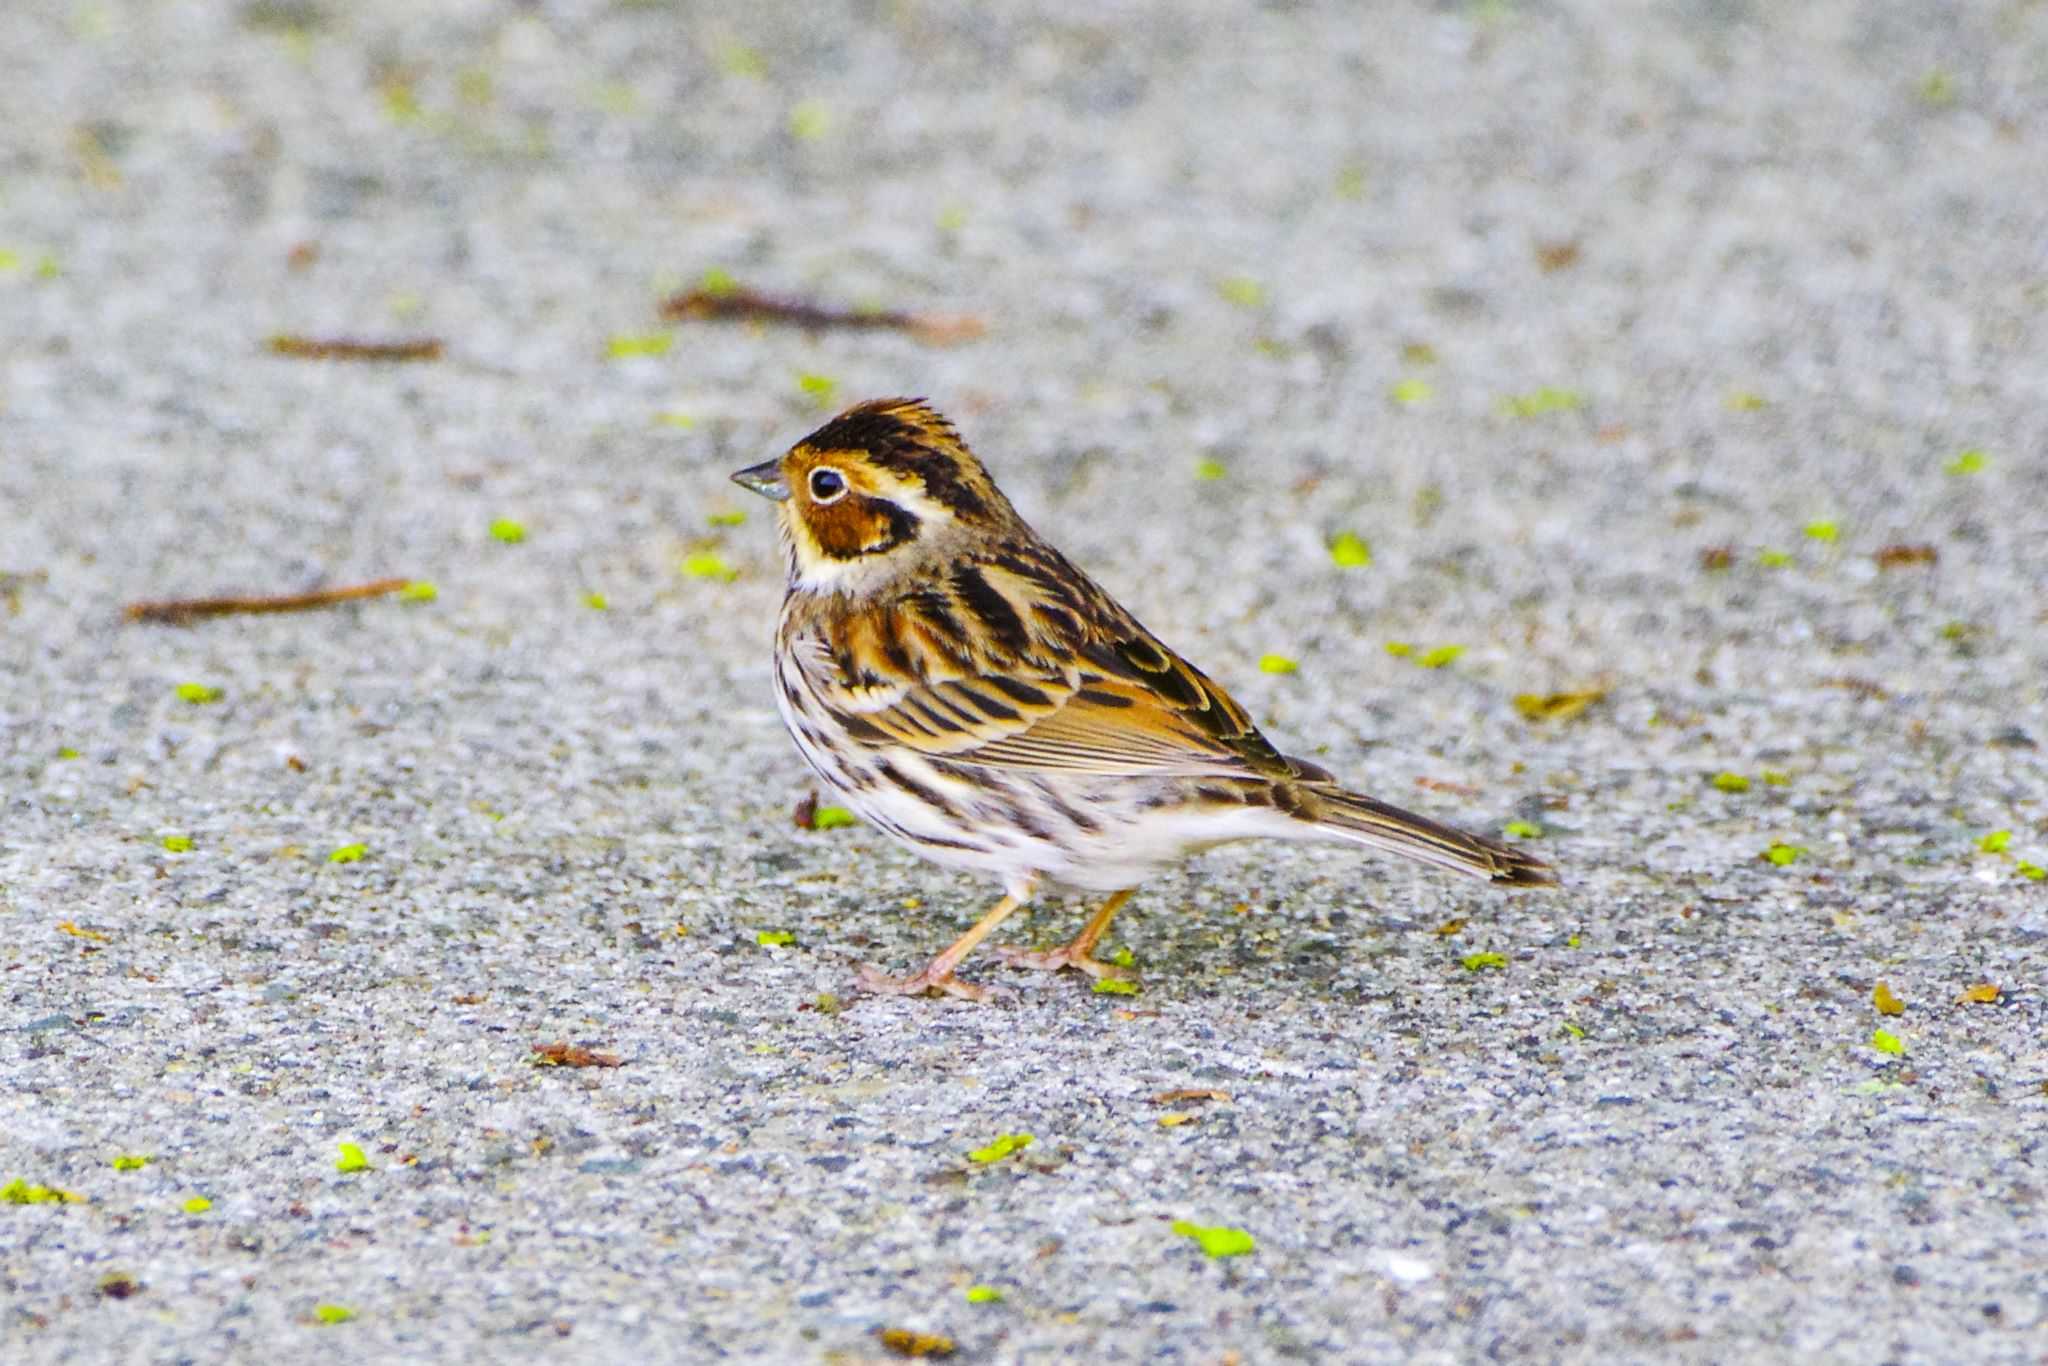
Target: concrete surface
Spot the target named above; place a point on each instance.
(1788, 261)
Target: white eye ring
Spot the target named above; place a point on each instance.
(827, 485)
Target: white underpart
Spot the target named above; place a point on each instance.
(1019, 825)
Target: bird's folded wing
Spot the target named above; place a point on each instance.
(1129, 707)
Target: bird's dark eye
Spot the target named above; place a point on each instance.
(827, 485)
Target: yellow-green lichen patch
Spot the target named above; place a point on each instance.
(21, 1192)
(199, 694)
(1440, 656)
(708, 564)
(638, 345)
(1783, 854)
(737, 59)
(419, 590)
(1742, 401)
(1776, 777)
(983, 1294)
(1003, 1146)
(1774, 559)
(597, 602)
(1483, 962)
(1278, 664)
(1115, 986)
(1209, 469)
(832, 818)
(1731, 782)
(1400, 649)
(1241, 290)
(1822, 529)
(351, 1159)
(331, 1314)
(1348, 550)
(1995, 841)
(66, 752)
(1968, 462)
(727, 519)
(177, 844)
(809, 120)
(774, 939)
(1522, 830)
(508, 532)
(1217, 1240)
(1411, 391)
(130, 1162)
(198, 1204)
(1539, 402)
(820, 388)
(2031, 871)
(348, 853)
(1884, 1041)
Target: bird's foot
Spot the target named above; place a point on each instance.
(942, 981)
(1078, 957)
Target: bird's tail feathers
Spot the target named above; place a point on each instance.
(1354, 816)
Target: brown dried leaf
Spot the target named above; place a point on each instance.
(1981, 994)
(805, 813)
(1186, 1093)
(1717, 558)
(352, 348)
(1899, 556)
(571, 1055)
(1556, 706)
(1862, 687)
(1445, 785)
(905, 1343)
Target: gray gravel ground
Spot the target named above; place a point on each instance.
(1811, 270)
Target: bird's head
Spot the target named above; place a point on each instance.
(878, 488)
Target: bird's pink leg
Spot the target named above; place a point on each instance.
(1080, 952)
(937, 975)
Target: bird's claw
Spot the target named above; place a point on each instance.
(1052, 960)
(873, 979)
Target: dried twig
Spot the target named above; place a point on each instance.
(736, 304)
(350, 348)
(178, 610)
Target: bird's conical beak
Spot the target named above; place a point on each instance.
(764, 479)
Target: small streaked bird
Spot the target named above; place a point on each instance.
(968, 691)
